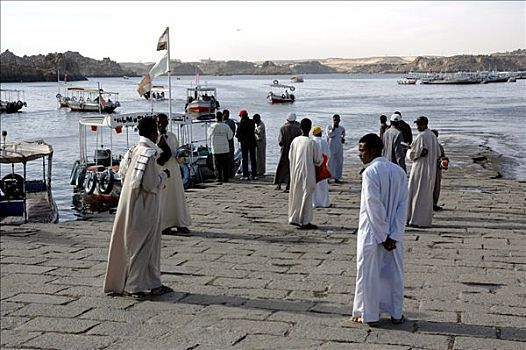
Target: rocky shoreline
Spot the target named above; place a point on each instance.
(77, 67)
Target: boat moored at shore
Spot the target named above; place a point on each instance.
(12, 100)
(24, 200)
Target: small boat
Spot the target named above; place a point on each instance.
(407, 81)
(81, 99)
(157, 93)
(11, 101)
(125, 77)
(277, 95)
(201, 102)
(24, 200)
(297, 79)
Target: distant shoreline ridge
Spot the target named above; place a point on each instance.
(72, 66)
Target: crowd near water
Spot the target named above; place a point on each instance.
(487, 115)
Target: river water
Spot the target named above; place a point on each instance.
(492, 115)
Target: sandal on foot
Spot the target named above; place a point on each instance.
(161, 290)
(398, 320)
(356, 319)
(309, 226)
(139, 295)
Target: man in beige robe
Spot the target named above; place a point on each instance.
(424, 152)
(134, 263)
(173, 202)
(304, 155)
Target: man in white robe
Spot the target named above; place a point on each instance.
(134, 263)
(393, 149)
(173, 202)
(320, 198)
(379, 256)
(424, 152)
(304, 155)
(336, 138)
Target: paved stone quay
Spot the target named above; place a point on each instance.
(244, 279)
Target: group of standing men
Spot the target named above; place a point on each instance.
(252, 139)
(152, 200)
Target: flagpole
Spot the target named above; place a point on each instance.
(169, 81)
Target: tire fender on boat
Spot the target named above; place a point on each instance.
(59, 96)
(74, 173)
(275, 82)
(83, 168)
(106, 181)
(19, 104)
(292, 88)
(91, 182)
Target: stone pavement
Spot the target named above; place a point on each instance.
(244, 279)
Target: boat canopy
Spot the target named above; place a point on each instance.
(123, 120)
(91, 90)
(199, 88)
(24, 151)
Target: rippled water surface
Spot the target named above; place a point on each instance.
(490, 114)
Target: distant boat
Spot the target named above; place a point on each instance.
(277, 95)
(125, 77)
(91, 100)
(201, 102)
(157, 93)
(297, 79)
(11, 101)
(407, 81)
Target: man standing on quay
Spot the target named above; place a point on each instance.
(424, 153)
(380, 249)
(287, 133)
(134, 260)
(220, 134)
(173, 203)
(392, 139)
(246, 134)
(304, 155)
(336, 138)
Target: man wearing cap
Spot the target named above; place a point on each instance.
(246, 134)
(134, 259)
(287, 133)
(424, 152)
(336, 138)
(304, 155)
(320, 198)
(393, 149)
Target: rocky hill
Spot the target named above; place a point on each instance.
(45, 67)
(78, 67)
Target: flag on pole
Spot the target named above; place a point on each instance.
(160, 67)
(196, 78)
(163, 41)
(145, 85)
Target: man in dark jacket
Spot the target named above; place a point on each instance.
(246, 136)
(290, 130)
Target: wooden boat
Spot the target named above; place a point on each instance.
(201, 102)
(278, 95)
(11, 101)
(81, 99)
(23, 200)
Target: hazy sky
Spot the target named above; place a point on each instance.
(261, 30)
